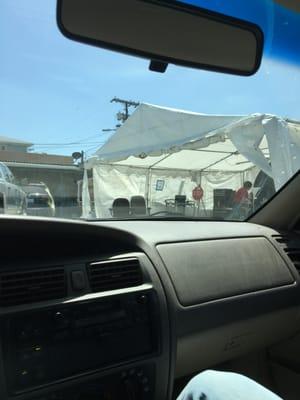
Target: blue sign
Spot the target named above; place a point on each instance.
(160, 184)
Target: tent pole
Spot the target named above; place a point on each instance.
(157, 162)
(200, 183)
(217, 162)
(210, 151)
(148, 182)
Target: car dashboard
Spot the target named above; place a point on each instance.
(107, 309)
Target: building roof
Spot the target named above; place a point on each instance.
(9, 140)
(35, 158)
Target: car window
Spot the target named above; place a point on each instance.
(111, 139)
(33, 189)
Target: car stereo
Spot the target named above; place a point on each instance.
(130, 384)
(47, 345)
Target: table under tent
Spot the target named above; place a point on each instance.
(161, 155)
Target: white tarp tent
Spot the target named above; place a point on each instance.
(180, 148)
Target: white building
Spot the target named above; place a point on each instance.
(11, 144)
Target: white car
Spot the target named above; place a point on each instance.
(39, 200)
(12, 197)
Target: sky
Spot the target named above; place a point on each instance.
(56, 93)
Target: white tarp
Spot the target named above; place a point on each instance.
(153, 136)
(86, 200)
(179, 144)
(112, 181)
(284, 144)
(153, 130)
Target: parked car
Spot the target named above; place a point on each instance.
(12, 197)
(39, 201)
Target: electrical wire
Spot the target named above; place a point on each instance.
(91, 149)
(86, 144)
(65, 144)
(80, 141)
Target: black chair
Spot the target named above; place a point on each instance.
(120, 207)
(180, 203)
(138, 205)
(180, 200)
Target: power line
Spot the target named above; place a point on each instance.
(80, 141)
(68, 148)
(91, 149)
(102, 133)
(66, 144)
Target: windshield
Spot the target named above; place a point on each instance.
(107, 138)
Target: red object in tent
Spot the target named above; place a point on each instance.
(197, 193)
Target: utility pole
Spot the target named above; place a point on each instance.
(123, 116)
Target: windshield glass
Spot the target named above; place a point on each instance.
(101, 136)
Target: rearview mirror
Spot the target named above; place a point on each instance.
(164, 32)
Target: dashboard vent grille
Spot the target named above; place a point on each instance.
(30, 286)
(115, 274)
(291, 245)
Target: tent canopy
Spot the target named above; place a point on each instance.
(165, 138)
(153, 130)
(154, 135)
(179, 148)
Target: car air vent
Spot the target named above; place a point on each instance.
(30, 286)
(115, 274)
(291, 245)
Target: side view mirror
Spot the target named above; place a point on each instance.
(164, 32)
